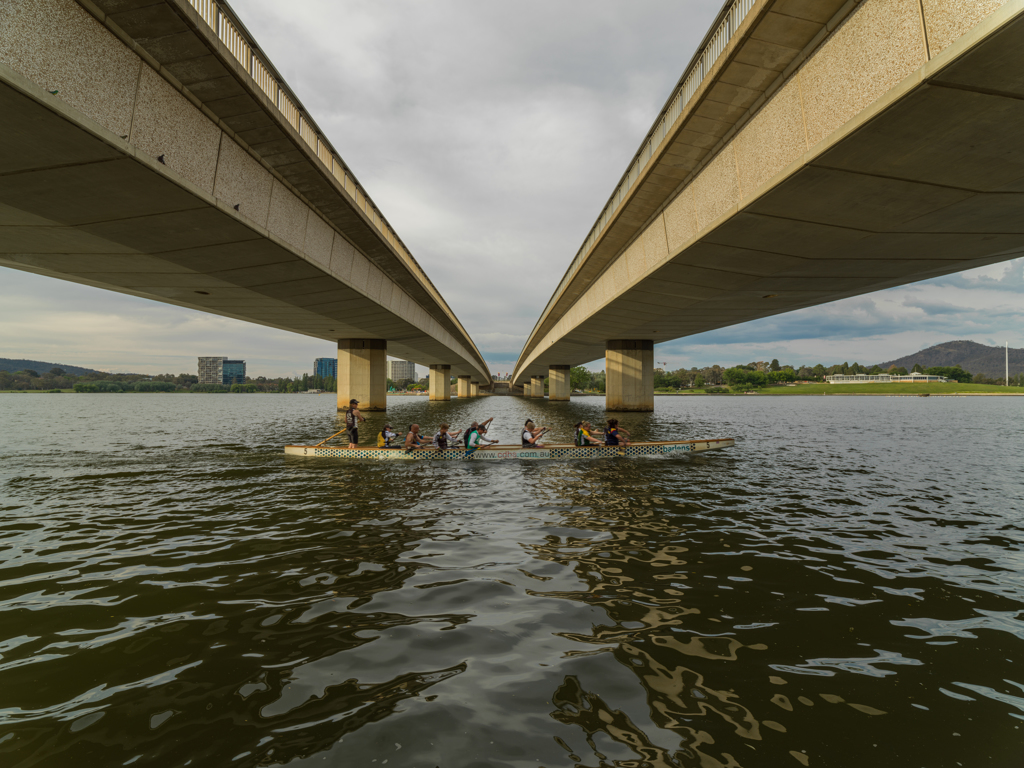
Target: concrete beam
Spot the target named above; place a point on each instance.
(831, 184)
(140, 152)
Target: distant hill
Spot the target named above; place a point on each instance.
(8, 364)
(969, 355)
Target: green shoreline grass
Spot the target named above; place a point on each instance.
(881, 389)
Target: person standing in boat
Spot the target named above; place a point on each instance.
(413, 439)
(613, 435)
(532, 434)
(442, 436)
(352, 419)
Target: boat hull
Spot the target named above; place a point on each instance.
(505, 452)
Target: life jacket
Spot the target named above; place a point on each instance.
(382, 441)
(580, 436)
(350, 419)
(441, 441)
(526, 438)
(465, 438)
(611, 436)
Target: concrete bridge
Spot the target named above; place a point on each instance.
(149, 147)
(813, 150)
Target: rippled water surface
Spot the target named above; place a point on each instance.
(843, 588)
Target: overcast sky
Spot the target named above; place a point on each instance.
(490, 135)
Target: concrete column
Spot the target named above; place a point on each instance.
(474, 389)
(464, 382)
(558, 382)
(440, 382)
(537, 386)
(362, 373)
(629, 375)
(526, 389)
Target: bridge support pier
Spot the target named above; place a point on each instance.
(537, 387)
(526, 389)
(464, 385)
(558, 382)
(474, 389)
(440, 382)
(362, 373)
(629, 375)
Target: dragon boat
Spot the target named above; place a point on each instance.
(503, 452)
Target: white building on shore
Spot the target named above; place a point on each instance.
(884, 378)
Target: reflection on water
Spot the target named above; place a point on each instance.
(843, 588)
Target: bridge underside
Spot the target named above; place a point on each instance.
(930, 184)
(76, 206)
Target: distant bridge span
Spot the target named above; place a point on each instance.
(813, 150)
(149, 147)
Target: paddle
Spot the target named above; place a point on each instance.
(330, 438)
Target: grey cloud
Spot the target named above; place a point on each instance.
(490, 135)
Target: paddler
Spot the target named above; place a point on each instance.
(472, 428)
(413, 439)
(613, 434)
(442, 436)
(532, 434)
(477, 439)
(583, 436)
(385, 436)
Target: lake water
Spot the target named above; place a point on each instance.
(845, 587)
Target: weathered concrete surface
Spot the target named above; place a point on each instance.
(439, 382)
(464, 386)
(629, 375)
(558, 382)
(884, 151)
(362, 374)
(160, 169)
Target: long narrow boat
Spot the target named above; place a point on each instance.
(499, 452)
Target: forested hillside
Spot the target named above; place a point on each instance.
(12, 365)
(969, 355)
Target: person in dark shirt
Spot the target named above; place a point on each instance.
(613, 434)
(352, 419)
(442, 436)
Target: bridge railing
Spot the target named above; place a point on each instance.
(244, 49)
(729, 21)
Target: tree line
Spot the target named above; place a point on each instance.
(57, 380)
(757, 375)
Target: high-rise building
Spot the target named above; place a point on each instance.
(234, 372)
(220, 370)
(326, 366)
(401, 369)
